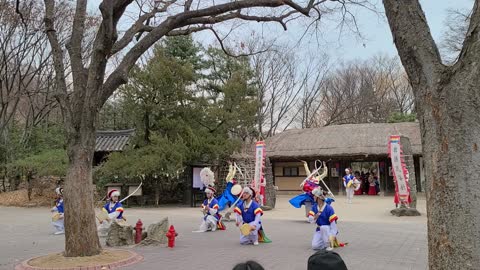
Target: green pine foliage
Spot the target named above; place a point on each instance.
(402, 117)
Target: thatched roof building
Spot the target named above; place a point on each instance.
(362, 147)
(341, 140)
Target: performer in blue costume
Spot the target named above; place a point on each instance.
(307, 186)
(323, 215)
(249, 212)
(211, 219)
(58, 217)
(227, 198)
(350, 183)
(114, 210)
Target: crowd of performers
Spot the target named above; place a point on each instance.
(245, 204)
(242, 201)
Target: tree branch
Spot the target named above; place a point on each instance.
(138, 27)
(415, 45)
(471, 44)
(17, 10)
(188, 4)
(187, 31)
(61, 93)
(74, 45)
(119, 75)
(238, 15)
(227, 52)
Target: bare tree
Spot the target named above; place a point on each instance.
(362, 92)
(92, 87)
(26, 69)
(276, 75)
(312, 97)
(394, 81)
(24, 55)
(447, 104)
(340, 103)
(456, 24)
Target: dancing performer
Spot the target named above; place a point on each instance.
(323, 215)
(248, 215)
(232, 190)
(58, 221)
(114, 210)
(307, 186)
(350, 183)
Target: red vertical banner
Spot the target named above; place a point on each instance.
(259, 178)
(399, 168)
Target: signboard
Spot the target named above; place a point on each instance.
(259, 179)
(399, 168)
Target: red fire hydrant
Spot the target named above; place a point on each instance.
(171, 234)
(138, 231)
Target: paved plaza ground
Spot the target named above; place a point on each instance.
(376, 239)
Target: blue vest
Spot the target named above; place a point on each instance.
(117, 207)
(249, 215)
(348, 178)
(59, 205)
(213, 204)
(326, 217)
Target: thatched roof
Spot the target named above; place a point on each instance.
(113, 140)
(341, 140)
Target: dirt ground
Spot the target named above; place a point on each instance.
(20, 198)
(59, 261)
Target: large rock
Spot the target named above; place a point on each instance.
(403, 211)
(266, 207)
(120, 234)
(156, 233)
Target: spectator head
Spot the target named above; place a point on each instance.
(249, 265)
(326, 260)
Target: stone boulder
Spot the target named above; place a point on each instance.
(266, 208)
(403, 211)
(156, 234)
(120, 234)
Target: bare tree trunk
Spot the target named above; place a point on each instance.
(157, 192)
(447, 100)
(29, 185)
(81, 237)
(4, 179)
(146, 121)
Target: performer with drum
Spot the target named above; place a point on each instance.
(323, 215)
(248, 216)
(112, 211)
(58, 216)
(351, 184)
